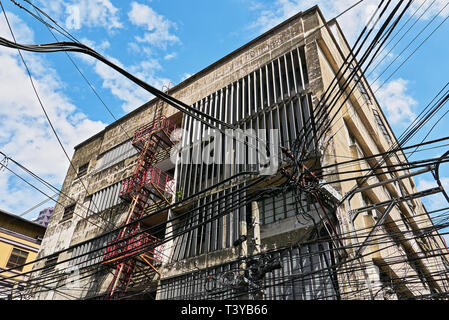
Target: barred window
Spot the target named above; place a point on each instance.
(68, 212)
(283, 206)
(17, 259)
(382, 127)
(361, 86)
(51, 262)
(115, 155)
(273, 96)
(82, 170)
(105, 198)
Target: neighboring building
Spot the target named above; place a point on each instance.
(273, 82)
(20, 240)
(44, 216)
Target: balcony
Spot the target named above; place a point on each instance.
(142, 243)
(154, 180)
(160, 127)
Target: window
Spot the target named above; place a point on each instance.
(105, 198)
(115, 155)
(50, 263)
(17, 259)
(351, 138)
(68, 212)
(360, 86)
(82, 170)
(283, 206)
(352, 141)
(302, 55)
(382, 126)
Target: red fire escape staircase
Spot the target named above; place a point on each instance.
(147, 184)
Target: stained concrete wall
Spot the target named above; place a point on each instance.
(61, 235)
(325, 52)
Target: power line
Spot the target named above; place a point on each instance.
(40, 101)
(38, 205)
(247, 199)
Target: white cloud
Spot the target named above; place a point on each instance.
(124, 89)
(99, 47)
(157, 26)
(84, 13)
(26, 136)
(133, 47)
(170, 56)
(435, 7)
(352, 22)
(394, 99)
(436, 201)
(186, 76)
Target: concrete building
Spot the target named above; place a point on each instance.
(44, 216)
(19, 244)
(280, 239)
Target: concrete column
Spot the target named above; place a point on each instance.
(374, 278)
(256, 245)
(256, 227)
(243, 248)
(243, 251)
(360, 260)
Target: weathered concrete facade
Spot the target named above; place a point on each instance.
(355, 133)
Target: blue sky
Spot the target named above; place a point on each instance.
(163, 42)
